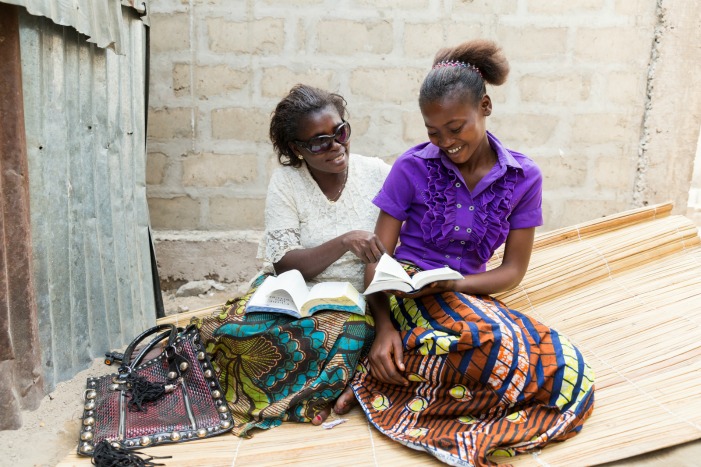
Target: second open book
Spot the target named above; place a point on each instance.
(390, 275)
(288, 293)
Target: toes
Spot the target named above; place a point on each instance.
(345, 402)
(321, 416)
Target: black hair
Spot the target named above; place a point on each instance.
(485, 64)
(301, 101)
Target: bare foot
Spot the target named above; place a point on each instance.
(321, 416)
(345, 401)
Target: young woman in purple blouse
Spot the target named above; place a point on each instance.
(452, 370)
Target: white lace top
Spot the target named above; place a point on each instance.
(298, 215)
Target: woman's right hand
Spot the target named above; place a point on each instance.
(387, 357)
(365, 245)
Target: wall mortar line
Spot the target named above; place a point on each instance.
(640, 186)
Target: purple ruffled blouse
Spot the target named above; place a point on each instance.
(447, 224)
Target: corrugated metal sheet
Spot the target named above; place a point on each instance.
(85, 114)
(21, 385)
(100, 20)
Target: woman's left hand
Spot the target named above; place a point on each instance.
(432, 288)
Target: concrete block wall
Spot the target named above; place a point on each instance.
(694, 204)
(587, 80)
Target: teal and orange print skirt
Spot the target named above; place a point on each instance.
(275, 368)
(485, 380)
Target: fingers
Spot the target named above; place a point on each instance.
(411, 295)
(375, 251)
(378, 248)
(378, 371)
(396, 293)
(372, 252)
(367, 247)
(366, 256)
(386, 371)
(386, 365)
(399, 356)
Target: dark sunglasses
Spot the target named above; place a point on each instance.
(323, 143)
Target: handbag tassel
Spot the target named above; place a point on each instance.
(143, 391)
(107, 455)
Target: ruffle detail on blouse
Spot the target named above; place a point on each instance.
(440, 198)
(492, 209)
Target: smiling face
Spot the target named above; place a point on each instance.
(323, 122)
(458, 127)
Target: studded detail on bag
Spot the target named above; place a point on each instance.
(171, 398)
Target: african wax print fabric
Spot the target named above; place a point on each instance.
(485, 380)
(275, 368)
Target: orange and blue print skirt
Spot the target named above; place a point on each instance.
(485, 381)
(275, 368)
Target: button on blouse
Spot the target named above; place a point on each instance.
(426, 191)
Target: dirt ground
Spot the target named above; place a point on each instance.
(49, 433)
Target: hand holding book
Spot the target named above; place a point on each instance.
(390, 275)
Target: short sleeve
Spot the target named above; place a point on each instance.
(529, 212)
(282, 227)
(397, 192)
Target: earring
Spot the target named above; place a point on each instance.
(299, 156)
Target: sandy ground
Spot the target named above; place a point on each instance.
(49, 433)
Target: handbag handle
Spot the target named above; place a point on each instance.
(171, 333)
(142, 389)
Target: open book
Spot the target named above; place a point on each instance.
(288, 293)
(390, 275)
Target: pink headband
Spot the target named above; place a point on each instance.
(457, 64)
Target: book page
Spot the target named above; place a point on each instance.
(335, 296)
(331, 290)
(279, 300)
(388, 284)
(287, 291)
(389, 275)
(339, 292)
(290, 283)
(390, 266)
(423, 278)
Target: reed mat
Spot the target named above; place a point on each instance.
(626, 289)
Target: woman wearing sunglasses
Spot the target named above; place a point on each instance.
(452, 370)
(319, 219)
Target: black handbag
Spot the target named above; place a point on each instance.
(170, 398)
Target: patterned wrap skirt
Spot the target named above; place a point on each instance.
(275, 368)
(485, 381)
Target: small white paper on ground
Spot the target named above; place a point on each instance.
(329, 425)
